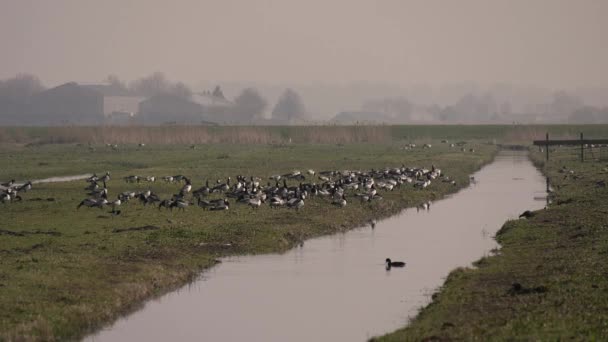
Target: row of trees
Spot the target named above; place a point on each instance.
(248, 106)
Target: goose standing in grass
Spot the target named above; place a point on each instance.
(390, 263)
(8, 184)
(116, 203)
(187, 187)
(105, 178)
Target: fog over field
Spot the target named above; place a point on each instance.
(469, 61)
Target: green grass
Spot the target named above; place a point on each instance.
(558, 257)
(68, 272)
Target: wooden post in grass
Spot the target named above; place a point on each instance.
(582, 149)
(547, 146)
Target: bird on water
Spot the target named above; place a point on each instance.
(390, 263)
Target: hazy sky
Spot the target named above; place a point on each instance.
(551, 43)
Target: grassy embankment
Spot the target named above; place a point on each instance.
(65, 272)
(550, 279)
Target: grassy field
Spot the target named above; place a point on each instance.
(549, 281)
(66, 272)
(509, 134)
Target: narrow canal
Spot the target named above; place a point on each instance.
(336, 287)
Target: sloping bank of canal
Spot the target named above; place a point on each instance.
(336, 287)
(550, 280)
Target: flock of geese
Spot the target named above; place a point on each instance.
(338, 187)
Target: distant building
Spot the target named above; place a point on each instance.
(67, 104)
(117, 100)
(171, 109)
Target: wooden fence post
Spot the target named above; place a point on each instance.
(582, 149)
(547, 146)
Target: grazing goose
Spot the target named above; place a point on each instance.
(92, 203)
(255, 202)
(527, 214)
(165, 204)
(390, 264)
(220, 205)
(340, 202)
(180, 204)
(296, 203)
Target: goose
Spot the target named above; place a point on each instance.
(151, 179)
(25, 187)
(91, 203)
(179, 204)
(168, 179)
(165, 204)
(254, 202)
(202, 191)
(5, 197)
(116, 203)
(187, 187)
(106, 177)
(311, 172)
(276, 202)
(372, 223)
(92, 179)
(296, 203)
(222, 187)
(92, 187)
(527, 214)
(220, 205)
(8, 184)
(390, 263)
(132, 179)
(340, 202)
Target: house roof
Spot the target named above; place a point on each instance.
(110, 90)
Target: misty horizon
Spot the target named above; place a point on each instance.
(548, 44)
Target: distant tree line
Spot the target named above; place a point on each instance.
(248, 107)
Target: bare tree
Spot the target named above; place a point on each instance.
(249, 105)
(182, 90)
(289, 107)
(116, 83)
(154, 84)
